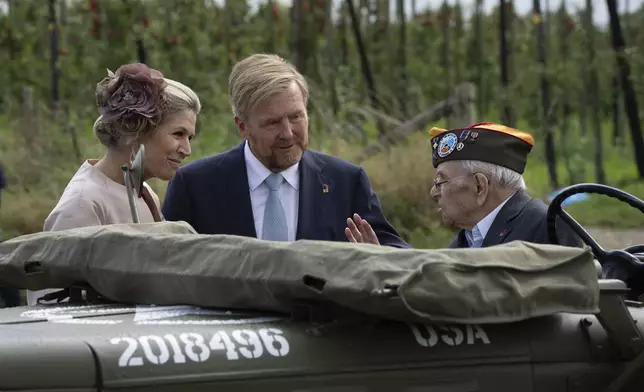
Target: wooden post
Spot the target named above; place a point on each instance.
(461, 106)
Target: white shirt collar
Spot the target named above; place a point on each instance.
(257, 172)
(478, 232)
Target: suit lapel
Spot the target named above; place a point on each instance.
(314, 199)
(459, 241)
(238, 193)
(502, 225)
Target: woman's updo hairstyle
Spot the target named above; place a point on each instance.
(134, 100)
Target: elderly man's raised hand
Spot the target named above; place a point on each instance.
(359, 231)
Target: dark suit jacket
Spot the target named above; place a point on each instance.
(522, 218)
(212, 195)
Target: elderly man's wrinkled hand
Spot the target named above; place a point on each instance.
(360, 231)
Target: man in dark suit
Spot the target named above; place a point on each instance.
(479, 187)
(480, 190)
(271, 186)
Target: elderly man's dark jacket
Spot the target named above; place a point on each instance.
(522, 218)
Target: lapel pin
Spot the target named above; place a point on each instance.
(503, 232)
(325, 188)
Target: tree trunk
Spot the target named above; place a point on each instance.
(445, 18)
(566, 110)
(615, 108)
(402, 57)
(593, 95)
(364, 63)
(53, 36)
(630, 100)
(297, 37)
(476, 55)
(506, 115)
(547, 117)
(330, 54)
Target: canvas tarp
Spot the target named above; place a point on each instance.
(167, 263)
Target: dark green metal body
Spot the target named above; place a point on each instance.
(130, 348)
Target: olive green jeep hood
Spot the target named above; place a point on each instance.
(167, 263)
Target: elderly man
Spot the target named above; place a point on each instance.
(480, 189)
(271, 186)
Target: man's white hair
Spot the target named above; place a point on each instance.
(498, 175)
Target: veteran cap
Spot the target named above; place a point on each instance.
(487, 142)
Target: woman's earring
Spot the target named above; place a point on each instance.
(135, 149)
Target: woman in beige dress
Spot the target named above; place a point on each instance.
(137, 106)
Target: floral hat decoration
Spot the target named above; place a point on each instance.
(132, 99)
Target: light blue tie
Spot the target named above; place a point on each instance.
(477, 238)
(274, 228)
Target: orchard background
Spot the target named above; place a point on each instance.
(551, 72)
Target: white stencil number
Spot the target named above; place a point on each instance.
(161, 355)
(194, 341)
(177, 355)
(195, 347)
(271, 336)
(249, 338)
(128, 358)
(221, 341)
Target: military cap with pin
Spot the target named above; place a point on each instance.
(486, 141)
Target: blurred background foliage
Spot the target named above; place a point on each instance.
(369, 74)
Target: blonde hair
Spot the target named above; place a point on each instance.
(259, 76)
(178, 97)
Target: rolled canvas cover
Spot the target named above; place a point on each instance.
(167, 263)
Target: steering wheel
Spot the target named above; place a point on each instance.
(624, 264)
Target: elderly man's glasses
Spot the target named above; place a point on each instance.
(438, 184)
